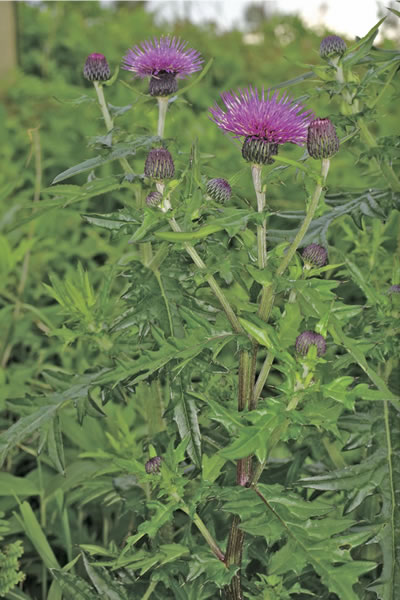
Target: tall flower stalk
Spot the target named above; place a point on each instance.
(164, 61)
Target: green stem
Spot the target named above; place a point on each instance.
(109, 122)
(162, 111)
(390, 456)
(262, 378)
(150, 590)
(234, 321)
(256, 172)
(268, 293)
(200, 526)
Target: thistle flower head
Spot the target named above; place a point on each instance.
(264, 119)
(164, 60)
(159, 164)
(153, 465)
(307, 339)
(315, 255)
(332, 45)
(219, 190)
(96, 68)
(322, 141)
(154, 198)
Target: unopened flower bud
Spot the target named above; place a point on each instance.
(219, 190)
(322, 141)
(332, 45)
(159, 164)
(154, 199)
(314, 255)
(394, 289)
(96, 68)
(307, 339)
(258, 151)
(153, 465)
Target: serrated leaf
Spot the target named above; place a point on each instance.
(74, 587)
(106, 586)
(120, 150)
(185, 415)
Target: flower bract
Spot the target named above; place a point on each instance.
(219, 189)
(310, 338)
(322, 141)
(96, 68)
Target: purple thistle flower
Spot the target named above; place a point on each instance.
(264, 120)
(163, 60)
(332, 45)
(153, 465)
(219, 190)
(314, 255)
(96, 68)
(307, 339)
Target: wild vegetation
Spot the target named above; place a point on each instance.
(200, 380)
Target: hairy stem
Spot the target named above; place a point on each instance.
(234, 321)
(162, 111)
(256, 172)
(268, 294)
(109, 122)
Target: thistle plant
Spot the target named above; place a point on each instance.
(249, 436)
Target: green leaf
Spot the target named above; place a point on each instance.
(33, 530)
(10, 485)
(185, 415)
(74, 587)
(258, 333)
(121, 150)
(211, 467)
(106, 586)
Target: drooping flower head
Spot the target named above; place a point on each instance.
(305, 340)
(164, 60)
(264, 119)
(332, 45)
(219, 190)
(96, 68)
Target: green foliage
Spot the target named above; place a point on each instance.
(116, 350)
